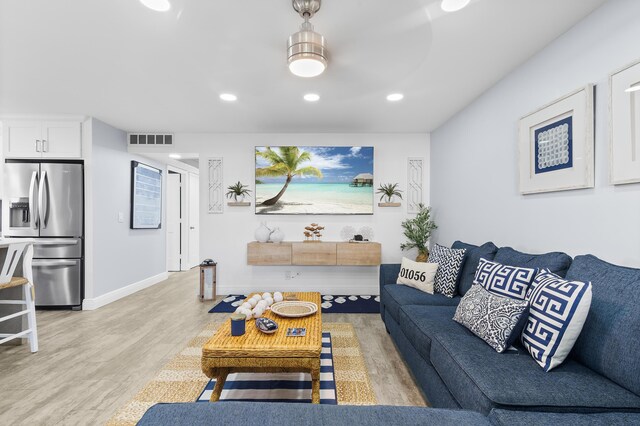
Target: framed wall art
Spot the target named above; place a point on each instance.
(556, 145)
(146, 196)
(624, 125)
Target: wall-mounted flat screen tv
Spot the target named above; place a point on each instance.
(314, 180)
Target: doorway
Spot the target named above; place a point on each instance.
(174, 221)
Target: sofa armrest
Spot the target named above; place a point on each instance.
(388, 274)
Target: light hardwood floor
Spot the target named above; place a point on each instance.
(92, 362)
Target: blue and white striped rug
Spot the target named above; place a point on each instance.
(279, 387)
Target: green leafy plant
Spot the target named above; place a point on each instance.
(418, 231)
(238, 190)
(286, 162)
(389, 190)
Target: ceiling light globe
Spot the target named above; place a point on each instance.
(312, 97)
(175, 156)
(307, 53)
(454, 5)
(395, 97)
(157, 5)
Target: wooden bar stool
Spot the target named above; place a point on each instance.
(16, 249)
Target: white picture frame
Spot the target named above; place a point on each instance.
(624, 125)
(556, 145)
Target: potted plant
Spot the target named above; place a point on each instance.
(418, 231)
(238, 190)
(389, 190)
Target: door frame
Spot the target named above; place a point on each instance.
(184, 206)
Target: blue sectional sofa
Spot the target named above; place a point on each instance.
(464, 379)
(456, 369)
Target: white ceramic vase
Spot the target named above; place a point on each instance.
(277, 236)
(262, 233)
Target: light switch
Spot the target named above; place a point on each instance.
(120, 217)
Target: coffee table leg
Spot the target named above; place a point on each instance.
(315, 384)
(221, 378)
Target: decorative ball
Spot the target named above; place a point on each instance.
(277, 297)
(269, 301)
(246, 305)
(246, 312)
(263, 304)
(252, 302)
(257, 312)
(265, 296)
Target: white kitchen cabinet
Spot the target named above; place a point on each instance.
(42, 139)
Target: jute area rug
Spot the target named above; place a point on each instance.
(182, 380)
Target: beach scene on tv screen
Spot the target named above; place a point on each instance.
(314, 180)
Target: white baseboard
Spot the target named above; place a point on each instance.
(112, 296)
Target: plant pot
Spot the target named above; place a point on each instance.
(423, 256)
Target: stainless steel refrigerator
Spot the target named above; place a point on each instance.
(45, 201)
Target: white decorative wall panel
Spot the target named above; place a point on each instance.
(216, 196)
(415, 170)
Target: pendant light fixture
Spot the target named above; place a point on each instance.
(307, 50)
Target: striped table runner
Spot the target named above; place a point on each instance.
(279, 387)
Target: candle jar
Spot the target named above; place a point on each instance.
(238, 324)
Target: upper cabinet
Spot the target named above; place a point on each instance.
(42, 139)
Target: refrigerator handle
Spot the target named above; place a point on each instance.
(41, 203)
(33, 208)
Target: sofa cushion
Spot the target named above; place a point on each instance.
(610, 341)
(481, 379)
(556, 262)
(420, 323)
(505, 280)
(294, 414)
(496, 320)
(558, 311)
(449, 266)
(395, 296)
(472, 256)
(532, 418)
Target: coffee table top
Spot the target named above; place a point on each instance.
(255, 344)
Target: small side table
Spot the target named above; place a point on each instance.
(16, 249)
(208, 276)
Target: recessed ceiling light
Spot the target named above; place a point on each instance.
(176, 156)
(157, 5)
(454, 5)
(634, 88)
(312, 97)
(229, 97)
(395, 97)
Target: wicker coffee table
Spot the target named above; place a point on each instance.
(256, 352)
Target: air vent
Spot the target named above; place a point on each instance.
(150, 139)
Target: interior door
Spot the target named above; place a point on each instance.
(194, 220)
(174, 221)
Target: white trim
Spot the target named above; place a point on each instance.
(112, 296)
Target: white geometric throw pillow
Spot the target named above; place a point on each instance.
(558, 310)
(449, 264)
(418, 275)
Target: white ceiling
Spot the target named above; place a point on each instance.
(142, 70)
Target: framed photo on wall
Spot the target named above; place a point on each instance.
(556, 145)
(624, 122)
(146, 196)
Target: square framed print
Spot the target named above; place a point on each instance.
(556, 144)
(624, 125)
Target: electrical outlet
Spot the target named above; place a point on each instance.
(120, 217)
(287, 275)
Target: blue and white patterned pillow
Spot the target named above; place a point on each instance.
(504, 280)
(495, 319)
(449, 265)
(557, 311)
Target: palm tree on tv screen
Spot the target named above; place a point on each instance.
(285, 162)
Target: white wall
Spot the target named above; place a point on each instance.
(224, 237)
(474, 168)
(123, 260)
